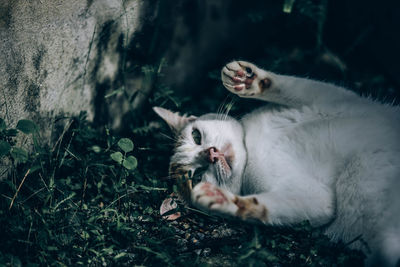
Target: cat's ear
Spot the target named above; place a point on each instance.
(175, 121)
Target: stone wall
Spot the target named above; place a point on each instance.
(54, 54)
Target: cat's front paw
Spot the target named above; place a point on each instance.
(245, 79)
(207, 196)
(212, 198)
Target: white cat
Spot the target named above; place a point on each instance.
(324, 155)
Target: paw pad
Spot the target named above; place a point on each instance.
(243, 79)
(215, 194)
(212, 198)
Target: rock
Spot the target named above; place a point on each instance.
(223, 232)
(58, 58)
(187, 235)
(200, 236)
(194, 241)
(197, 252)
(182, 245)
(206, 252)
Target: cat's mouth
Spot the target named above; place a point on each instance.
(220, 162)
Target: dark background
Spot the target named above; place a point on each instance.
(354, 44)
(351, 43)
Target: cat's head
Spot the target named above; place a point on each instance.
(209, 148)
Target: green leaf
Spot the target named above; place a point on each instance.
(247, 255)
(120, 90)
(96, 149)
(52, 248)
(130, 163)
(16, 261)
(19, 154)
(288, 6)
(125, 144)
(11, 132)
(27, 126)
(35, 168)
(108, 250)
(117, 156)
(120, 255)
(2, 124)
(85, 235)
(148, 188)
(4, 148)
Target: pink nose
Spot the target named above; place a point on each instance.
(213, 154)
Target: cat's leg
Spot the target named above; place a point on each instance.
(247, 80)
(210, 197)
(268, 208)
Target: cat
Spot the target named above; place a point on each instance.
(323, 154)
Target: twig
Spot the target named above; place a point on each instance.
(45, 185)
(84, 187)
(32, 195)
(27, 240)
(66, 128)
(19, 187)
(116, 200)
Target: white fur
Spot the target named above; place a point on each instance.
(326, 155)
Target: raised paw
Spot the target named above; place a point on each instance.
(245, 79)
(207, 196)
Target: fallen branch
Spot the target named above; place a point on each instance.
(19, 187)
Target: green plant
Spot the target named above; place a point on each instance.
(8, 144)
(70, 204)
(128, 162)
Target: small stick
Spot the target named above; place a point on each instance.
(19, 187)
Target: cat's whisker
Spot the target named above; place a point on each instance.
(221, 107)
(169, 137)
(228, 108)
(219, 111)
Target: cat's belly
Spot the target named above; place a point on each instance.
(306, 146)
(261, 139)
(280, 146)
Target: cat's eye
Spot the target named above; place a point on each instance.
(196, 136)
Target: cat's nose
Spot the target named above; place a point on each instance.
(213, 154)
